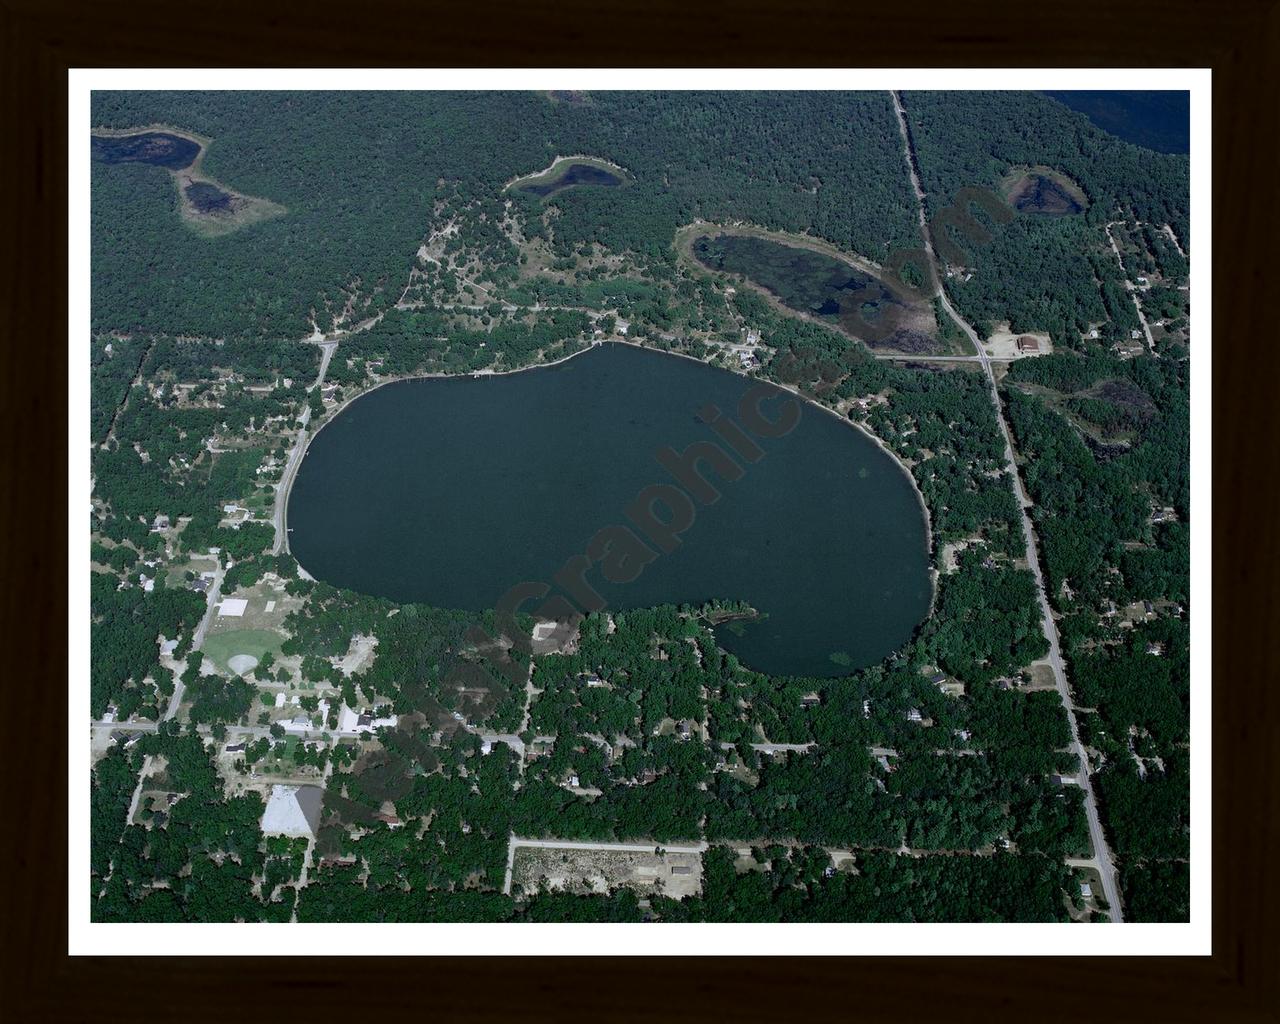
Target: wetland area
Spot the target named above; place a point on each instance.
(821, 286)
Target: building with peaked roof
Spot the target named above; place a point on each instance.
(293, 811)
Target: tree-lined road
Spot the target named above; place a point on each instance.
(1101, 859)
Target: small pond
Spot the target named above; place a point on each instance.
(569, 175)
(1043, 196)
(160, 149)
(208, 198)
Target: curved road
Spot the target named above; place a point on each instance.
(1101, 859)
(281, 544)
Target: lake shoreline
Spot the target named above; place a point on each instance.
(789, 388)
(932, 569)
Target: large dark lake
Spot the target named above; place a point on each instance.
(1158, 120)
(450, 491)
(157, 148)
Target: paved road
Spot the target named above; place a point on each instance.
(1101, 853)
(281, 543)
(770, 748)
(895, 357)
(234, 732)
(326, 353)
(327, 348)
(510, 739)
(126, 726)
(210, 612)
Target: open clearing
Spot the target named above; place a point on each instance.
(242, 664)
(601, 871)
(1003, 343)
(227, 648)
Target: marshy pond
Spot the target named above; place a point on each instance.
(450, 491)
(1045, 194)
(207, 198)
(160, 149)
(825, 288)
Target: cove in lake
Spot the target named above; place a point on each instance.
(450, 491)
(160, 149)
(1155, 119)
(568, 175)
(823, 287)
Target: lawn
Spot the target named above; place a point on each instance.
(220, 647)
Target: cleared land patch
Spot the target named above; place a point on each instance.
(229, 649)
(600, 871)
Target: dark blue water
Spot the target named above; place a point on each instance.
(450, 491)
(208, 198)
(159, 149)
(574, 174)
(1156, 120)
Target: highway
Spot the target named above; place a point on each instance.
(1101, 853)
(281, 543)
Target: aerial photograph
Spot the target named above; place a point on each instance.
(638, 506)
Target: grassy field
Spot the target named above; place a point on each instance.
(220, 647)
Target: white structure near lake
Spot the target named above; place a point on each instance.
(232, 606)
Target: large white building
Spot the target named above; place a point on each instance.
(293, 811)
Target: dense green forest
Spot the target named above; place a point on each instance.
(1054, 274)
(1101, 473)
(944, 794)
(359, 172)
